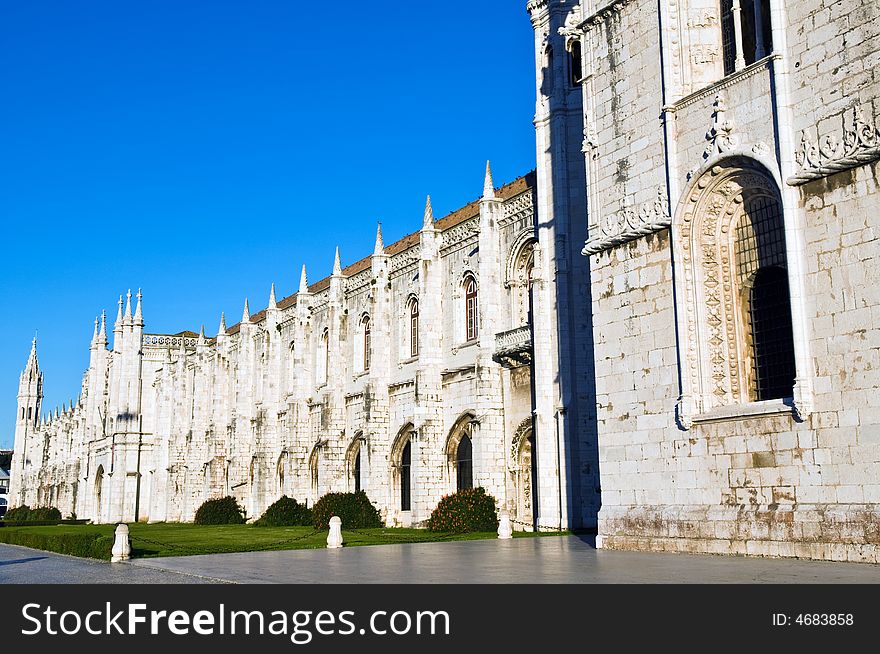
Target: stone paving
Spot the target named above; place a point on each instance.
(23, 565)
(569, 559)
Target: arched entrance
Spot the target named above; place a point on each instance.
(99, 494)
(460, 453)
(402, 470)
(525, 475)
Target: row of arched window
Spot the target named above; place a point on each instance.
(363, 344)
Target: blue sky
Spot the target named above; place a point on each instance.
(202, 150)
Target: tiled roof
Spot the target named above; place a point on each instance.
(470, 210)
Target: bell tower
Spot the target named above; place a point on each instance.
(30, 399)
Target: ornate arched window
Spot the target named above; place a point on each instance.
(746, 33)
(576, 66)
(520, 275)
(471, 309)
(765, 303)
(405, 477)
(323, 358)
(414, 328)
(365, 326)
(464, 464)
(735, 327)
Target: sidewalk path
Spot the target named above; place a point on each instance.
(23, 565)
(521, 560)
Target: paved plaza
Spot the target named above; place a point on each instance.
(568, 559)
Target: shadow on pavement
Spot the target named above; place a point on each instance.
(33, 558)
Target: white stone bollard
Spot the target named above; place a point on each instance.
(334, 538)
(121, 547)
(505, 530)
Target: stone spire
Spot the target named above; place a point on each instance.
(303, 281)
(33, 365)
(138, 314)
(128, 307)
(201, 344)
(102, 335)
(118, 323)
(380, 246)
(488, 185)
(246, 314)
(337, 266)
(95, 333)
(221, 331)
(428, 222)
(272, 303)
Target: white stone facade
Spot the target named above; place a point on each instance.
(698, 161)
(298, 400)
(689, 118)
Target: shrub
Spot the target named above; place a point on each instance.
(467, 510)
(286, 512)
(355, 510)
(44, 514)
(24, 513)
(224, 511)
(90, 544)
(18, 514)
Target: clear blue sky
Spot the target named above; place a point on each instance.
(203, 149)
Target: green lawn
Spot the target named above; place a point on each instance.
(173, 539)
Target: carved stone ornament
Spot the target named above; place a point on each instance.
(571, 30)
(858, 145)
(629, 224)
(720, 138)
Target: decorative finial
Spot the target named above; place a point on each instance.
(246, 314)
(128, 306)
(303, 281)
(201, 340)
(272, 303)
(428, 222)
(380, 246)
(139, 314)
(102, 335)
(337, 266)
(221, 331)
(119, 313)
(488, 185)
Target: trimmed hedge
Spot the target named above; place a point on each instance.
(467, 510)
(355, 510)
(286, 512)
(41, 523)
(89, 545)
(225, 511)
(24, 513)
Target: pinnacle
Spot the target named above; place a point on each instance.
(272, 303)
(488, 185)
(246, 314)
(303, 281)
(337, 266)
(429, 215)
(380, 246)
(222, 329)
(119, 313)
(139, 314)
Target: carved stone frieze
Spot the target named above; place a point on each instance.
(631, 223)
(857, 144)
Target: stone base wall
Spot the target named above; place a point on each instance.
(831, 532)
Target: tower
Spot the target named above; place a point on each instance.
(30, 399)
(564, 413)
